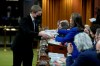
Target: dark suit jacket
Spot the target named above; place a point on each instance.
(86, 58)
(25, 35)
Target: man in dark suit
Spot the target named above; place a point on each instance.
(23, 44)
(86, 58)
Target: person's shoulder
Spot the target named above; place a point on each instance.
(26, 18)
(74, 29)
(88, 53)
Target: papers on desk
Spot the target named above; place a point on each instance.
(55, 56)
(51, 32)
(52, 41)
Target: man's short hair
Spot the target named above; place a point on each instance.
(35, 8)
(64, 24)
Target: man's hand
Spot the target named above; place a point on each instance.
(70, 48)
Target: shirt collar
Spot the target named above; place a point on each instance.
(31, 17)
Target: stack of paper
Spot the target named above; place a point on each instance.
(55, 56)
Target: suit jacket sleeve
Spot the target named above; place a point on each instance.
(63, 31)
(69, 37)
(80, 61)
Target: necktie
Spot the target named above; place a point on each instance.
(34, 25)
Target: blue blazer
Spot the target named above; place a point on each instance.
(62, 32)
(69, 37)
(86, 58)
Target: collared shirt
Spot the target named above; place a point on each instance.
(31, 17)
(33, 20)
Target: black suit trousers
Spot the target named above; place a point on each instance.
(23, 57)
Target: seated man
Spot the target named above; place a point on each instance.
(86, 58)
(63, 24)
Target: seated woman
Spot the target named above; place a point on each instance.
(76, 27)
(88, 57)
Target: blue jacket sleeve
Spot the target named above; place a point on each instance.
(63, 31)
(86, 58)
(80, 61)
(69, 61)
(69, 37)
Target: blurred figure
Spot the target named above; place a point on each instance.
(93, 32)
(86, 58)
(63, 24)
(94, 26)
(97, 17)
(23, 43)
(87, 29)
(76, 27)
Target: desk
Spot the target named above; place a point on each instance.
(43, 59)
(57, 49)
(45, 48)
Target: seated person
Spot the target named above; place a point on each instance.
(64, 24)
(86, 58)
(87, 29)
(61, 25)
(93, 32)
(63, 29)
(76, 27)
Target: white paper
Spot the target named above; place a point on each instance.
(92, 19)
(55, 56)
(52, 41)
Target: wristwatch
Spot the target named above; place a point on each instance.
(69, 54)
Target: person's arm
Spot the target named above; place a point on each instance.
(69, 60)
(80, 61)
(69, 37)
(63, 31)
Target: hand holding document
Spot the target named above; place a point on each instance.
(48, 33)
(52, 41)
(42, 33)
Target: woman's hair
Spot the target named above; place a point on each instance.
(97, 17)
(77, 20)
(94, 27)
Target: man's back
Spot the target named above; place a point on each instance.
(86, 58)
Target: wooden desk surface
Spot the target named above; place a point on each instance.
(57, 49)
